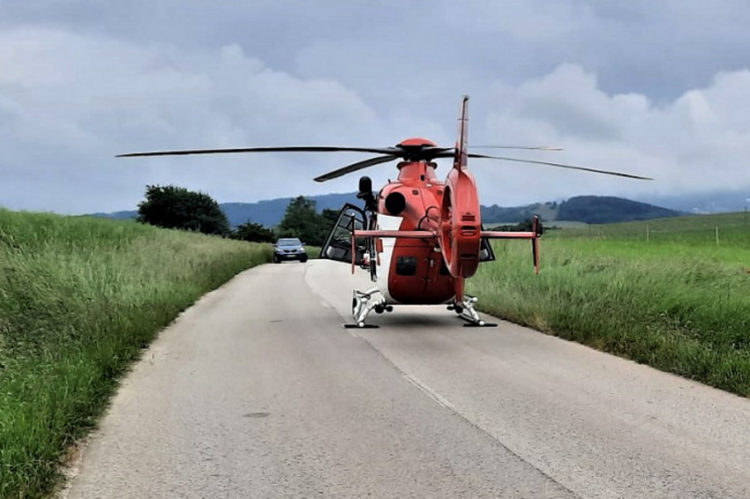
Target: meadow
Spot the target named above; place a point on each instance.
(79, 299)
(671, 293)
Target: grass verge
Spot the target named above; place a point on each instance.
(662, 293)
(79, 299)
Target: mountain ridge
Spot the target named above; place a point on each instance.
(587, 209)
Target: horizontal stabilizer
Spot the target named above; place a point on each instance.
(492, 234)
(406, 234)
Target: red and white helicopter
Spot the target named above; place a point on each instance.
(419, 237)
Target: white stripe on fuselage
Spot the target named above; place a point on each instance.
(386, 222)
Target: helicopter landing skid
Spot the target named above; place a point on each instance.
(466, 311)
(364, 302)
(474, 324)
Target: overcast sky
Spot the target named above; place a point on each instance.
(655, 88)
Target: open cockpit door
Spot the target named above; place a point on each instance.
(338, 245)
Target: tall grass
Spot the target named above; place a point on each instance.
(674, 299)
(79, 299)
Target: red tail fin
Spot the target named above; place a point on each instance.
(459, 162)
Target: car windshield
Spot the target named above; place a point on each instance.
(289, 242)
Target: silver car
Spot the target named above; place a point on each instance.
(289, 248)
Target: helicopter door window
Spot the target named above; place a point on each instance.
(406, 265)
(338, 245)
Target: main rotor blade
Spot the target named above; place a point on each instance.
(384, 150)
(354, 167)
(527, 148)
(560, 165)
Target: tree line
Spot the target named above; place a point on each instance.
(176, 207)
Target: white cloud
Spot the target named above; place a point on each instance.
(82, 80)
(70, 102)
(697, 142)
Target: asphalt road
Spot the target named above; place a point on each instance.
(258, 391)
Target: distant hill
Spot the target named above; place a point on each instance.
(117, 215)
(513, 214)
(268, 212)
(588, 209)
(608, 209)
(723, 201)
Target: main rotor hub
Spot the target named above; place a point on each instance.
(418, 149)
(416, 141)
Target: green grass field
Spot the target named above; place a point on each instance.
(663, 292)
(79, 299)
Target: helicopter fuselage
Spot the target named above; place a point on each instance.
(412, 271)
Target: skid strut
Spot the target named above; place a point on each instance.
(466, 310)
(364, 302)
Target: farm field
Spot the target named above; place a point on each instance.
(79, 299)
(670, 293)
